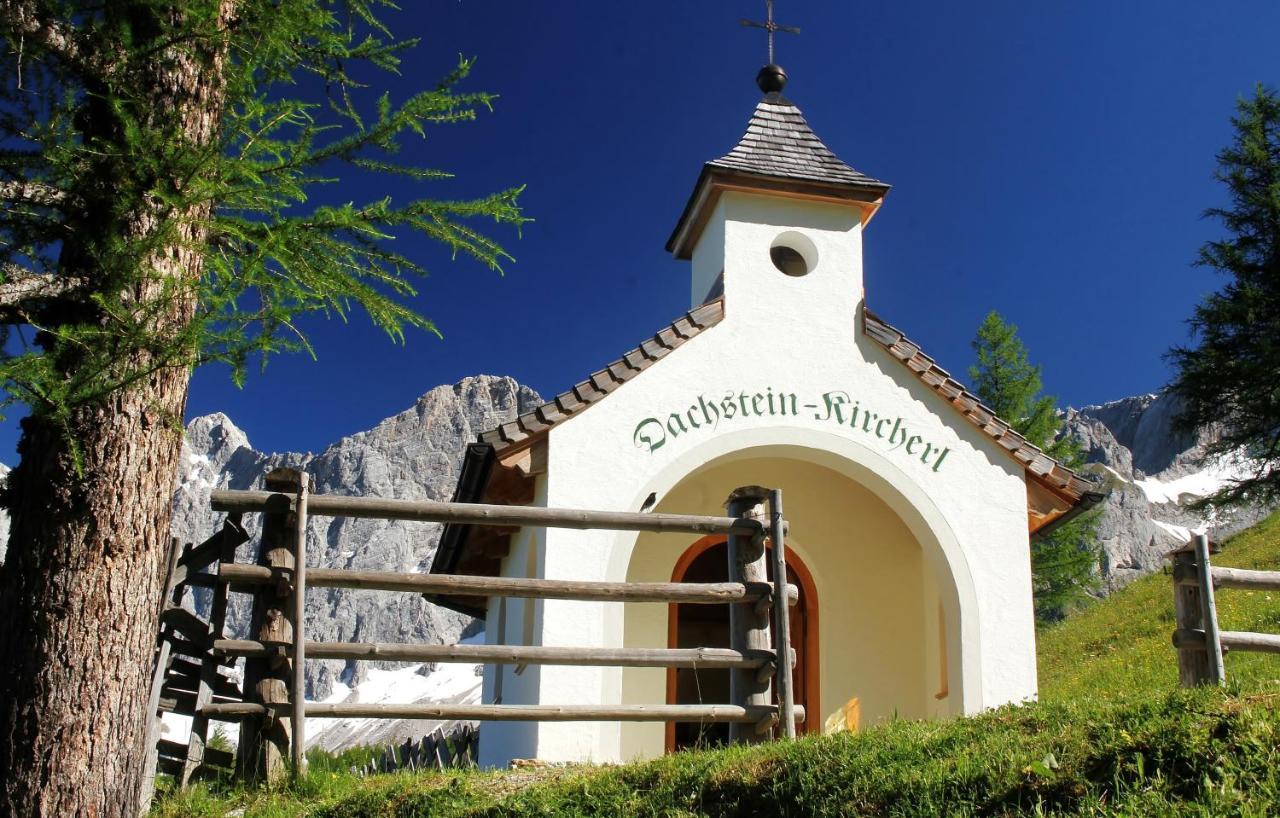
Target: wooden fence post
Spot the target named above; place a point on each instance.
(781, 616)
(299, 687)
(1188, 610)
(748, 623)
(264, 742)
(1209, 612)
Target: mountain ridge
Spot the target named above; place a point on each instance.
(1151, 472)
(414, 454)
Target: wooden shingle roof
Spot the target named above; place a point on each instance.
(780, 143)
(1053, 473)
(778, 155)
(605, 381)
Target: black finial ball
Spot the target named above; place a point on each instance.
(771, 79)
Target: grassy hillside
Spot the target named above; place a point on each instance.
(1112, 736)
(1120, 647)
(1182, 753)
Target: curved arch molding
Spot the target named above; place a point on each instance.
(925, 521)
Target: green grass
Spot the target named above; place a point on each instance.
(1203, 752)
(1112, 736)
(1120, 648)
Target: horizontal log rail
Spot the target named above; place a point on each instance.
(280, 580)
(709, 713)
(1201, 643)
(1237, 578)
(1246, 580)
(506, 654)
(706, 593)
(1231, 640)
(173, 752)
(428, 511)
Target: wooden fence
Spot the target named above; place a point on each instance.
(436, 751)
(272, 709)
(187, 673)
(1201, 644)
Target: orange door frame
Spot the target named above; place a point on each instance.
(807, 654)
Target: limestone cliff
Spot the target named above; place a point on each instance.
(413, 455)
(1152, 472)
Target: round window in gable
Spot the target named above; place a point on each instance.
(793, 254)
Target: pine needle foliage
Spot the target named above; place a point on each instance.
(1064, 562)
(82, 155)
(1229, 377)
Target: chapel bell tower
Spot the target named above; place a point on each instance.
(776, 224)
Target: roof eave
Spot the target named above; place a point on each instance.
(525, 429)
(1087, 501)
(473, 479)
(714, 180)
(1056, 477)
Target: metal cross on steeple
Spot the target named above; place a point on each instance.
(770, 26)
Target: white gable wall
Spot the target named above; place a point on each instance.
(708, 259)
(791, 360)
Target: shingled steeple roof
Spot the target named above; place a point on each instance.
(779, 142)
(778, 154)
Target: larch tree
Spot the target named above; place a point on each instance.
(1230, 376)
(158, 167)
(1064, 561)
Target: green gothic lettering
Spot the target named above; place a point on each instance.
(837, 407)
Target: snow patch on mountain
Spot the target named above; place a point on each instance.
(1216, 475)
(1181, 533)
(450, 683)
(1152, 472)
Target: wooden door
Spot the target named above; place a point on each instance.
(691, 626)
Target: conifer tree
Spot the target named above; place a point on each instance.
(1064, 561)
(158, 165)
(1231, 375)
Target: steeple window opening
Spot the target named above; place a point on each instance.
(794, 254)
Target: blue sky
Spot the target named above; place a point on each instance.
(1049, 160)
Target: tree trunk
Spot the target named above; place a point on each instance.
(81, 588)
(91, 496)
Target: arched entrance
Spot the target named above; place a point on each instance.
(898, 636)
(708, 626)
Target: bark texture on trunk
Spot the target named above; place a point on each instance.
(81, 589)
(79, 594)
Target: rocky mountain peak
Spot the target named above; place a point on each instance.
(215, 432)
(1144, 426)
(415, 454)
(1152, 471)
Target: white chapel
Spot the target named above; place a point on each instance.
(910, 504)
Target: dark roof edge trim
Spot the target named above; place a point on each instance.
(521, 431)
(1087, 502)
(703, 191)
(473, 479)
(1032, 458)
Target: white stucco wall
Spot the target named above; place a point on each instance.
(960, 497)
(510, 621)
